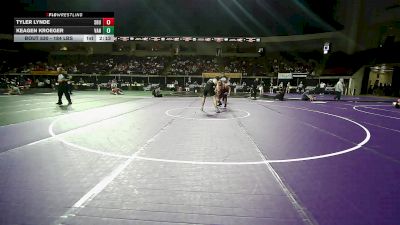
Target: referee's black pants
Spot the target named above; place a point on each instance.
(337, 95)
(254, 92)
(63, 89)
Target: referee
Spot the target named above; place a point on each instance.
(254, 88)
(62, 87)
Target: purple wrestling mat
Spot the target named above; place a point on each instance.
(163, 161)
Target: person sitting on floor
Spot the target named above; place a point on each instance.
(397, 104)
(13, 90)
(116, 91)
(308, 97)
(279, 95)
(157, 92)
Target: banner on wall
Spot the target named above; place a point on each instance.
(229, 75)
(295, 75)
(44, 72)
(285, 76)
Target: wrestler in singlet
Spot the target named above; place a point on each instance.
(209, 90)
(225, 93)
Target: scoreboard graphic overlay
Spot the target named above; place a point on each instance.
(64, 27)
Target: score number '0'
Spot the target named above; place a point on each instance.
(106, 22)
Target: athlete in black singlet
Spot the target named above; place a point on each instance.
(209, 90)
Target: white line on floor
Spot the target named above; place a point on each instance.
(56, 118)
(307, 219)
(382, 127)
(376, 114)
(359, 145)
(392, 111)
(99, 187)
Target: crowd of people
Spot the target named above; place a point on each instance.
(152, 65)
(191, 65)
(15, 85)
(289, 67)
(157, 65)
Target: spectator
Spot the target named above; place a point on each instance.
(322, 86)
(280, 87)
(261, 88)
(300, 87)
(288, 87)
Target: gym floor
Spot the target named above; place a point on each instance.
(134, 159)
